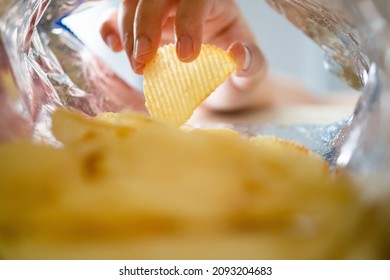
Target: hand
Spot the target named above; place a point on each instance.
(141, 26)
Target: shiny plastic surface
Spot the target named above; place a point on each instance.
(51, 68)
(355, 35)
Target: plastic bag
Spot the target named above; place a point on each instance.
(51, 68)
(355, 35)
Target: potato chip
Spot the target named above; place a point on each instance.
(124, 186)
(297, 152)
(174, 89)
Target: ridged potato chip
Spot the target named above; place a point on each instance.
(174, 89)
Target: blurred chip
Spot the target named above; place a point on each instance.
(297, 152)
(124, 186)
(174, 89)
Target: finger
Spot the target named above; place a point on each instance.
(249, 59)
(109, 30)
(190, 18)
(126, 16)
(168, 35)
(149, 21)
(239, 91)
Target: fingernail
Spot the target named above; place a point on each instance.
(185, 47)
(143, 46)
(112, 41)
(248, 58)
(137, 67)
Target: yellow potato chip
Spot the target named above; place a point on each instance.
(297, 152)
(174, 89)
(124, 186)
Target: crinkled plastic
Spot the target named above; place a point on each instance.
(355, 35)
(43, 66)
(51, 68)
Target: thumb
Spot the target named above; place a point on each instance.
(249, 59)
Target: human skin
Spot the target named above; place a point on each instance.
(141, 26)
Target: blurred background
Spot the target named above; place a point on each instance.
(287, 49)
